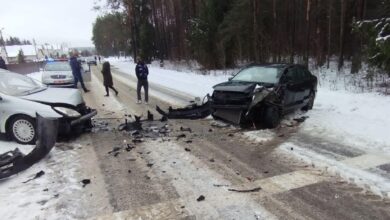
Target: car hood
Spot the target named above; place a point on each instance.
(57, 96)
(235, 86)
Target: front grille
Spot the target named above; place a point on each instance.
(230, 98)
(58, 76)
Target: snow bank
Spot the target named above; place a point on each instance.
(357, 120)
(188, 82)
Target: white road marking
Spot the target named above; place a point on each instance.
(367, 161)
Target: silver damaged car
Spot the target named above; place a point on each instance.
(21, 98)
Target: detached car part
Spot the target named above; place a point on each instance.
(13, 162)
(193, 111)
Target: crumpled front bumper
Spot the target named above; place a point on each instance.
(69, 125)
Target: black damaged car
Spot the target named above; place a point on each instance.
(260, 95)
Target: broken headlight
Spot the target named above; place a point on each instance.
(67, 111)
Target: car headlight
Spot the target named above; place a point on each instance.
(67, 111)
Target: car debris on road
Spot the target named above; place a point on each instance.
(13, 162)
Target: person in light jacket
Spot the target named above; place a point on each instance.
(142, 72)
(107, 79)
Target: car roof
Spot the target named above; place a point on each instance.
(276, 65)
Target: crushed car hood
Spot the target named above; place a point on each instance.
(57, 95)
(235, 86)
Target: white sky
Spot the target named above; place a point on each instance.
(49, 21)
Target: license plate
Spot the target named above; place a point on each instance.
(59, 81)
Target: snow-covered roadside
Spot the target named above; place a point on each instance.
(52, 196)
(188, 82)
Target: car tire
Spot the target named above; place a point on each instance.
(22, 129)
(310, 103)
(271, 117)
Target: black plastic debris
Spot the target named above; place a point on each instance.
(15, 161)
(212, 160)
(131, 126)
(85, 182)
(114, 150)
(188, 141)
(149, 165)
(246, 190)
(37, 175)
(185, 129)
(201, 198)
(192, 111)
(150, 116)
(164, 118)
(180, 136)
(129, 148)
(187, 149)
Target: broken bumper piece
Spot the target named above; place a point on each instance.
(13, 162)
(83, 118)
(190, 112)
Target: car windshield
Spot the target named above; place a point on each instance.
(58, 66)
(18, 85)
(259, 74)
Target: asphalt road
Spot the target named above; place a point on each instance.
(164, 177)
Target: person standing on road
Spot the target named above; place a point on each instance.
(100, 59)
(142, 72)
(2, 64)
(107, 79)
(76, 71)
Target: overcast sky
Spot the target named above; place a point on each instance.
(49, 21)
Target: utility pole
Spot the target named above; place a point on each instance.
(4, 48)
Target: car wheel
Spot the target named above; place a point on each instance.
(271, 117)
(23, 130)
(310, 103)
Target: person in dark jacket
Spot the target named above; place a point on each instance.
(107, 79)
(76, 71)
(2, 64)
(142, 72)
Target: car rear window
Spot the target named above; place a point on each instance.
(58, 66)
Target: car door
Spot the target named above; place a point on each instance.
(291, 88)
(306, 83)
(301, 84)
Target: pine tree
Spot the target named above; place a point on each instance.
(21, 56)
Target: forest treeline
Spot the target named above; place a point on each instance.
(221, 34)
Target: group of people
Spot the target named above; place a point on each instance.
(141, 72)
